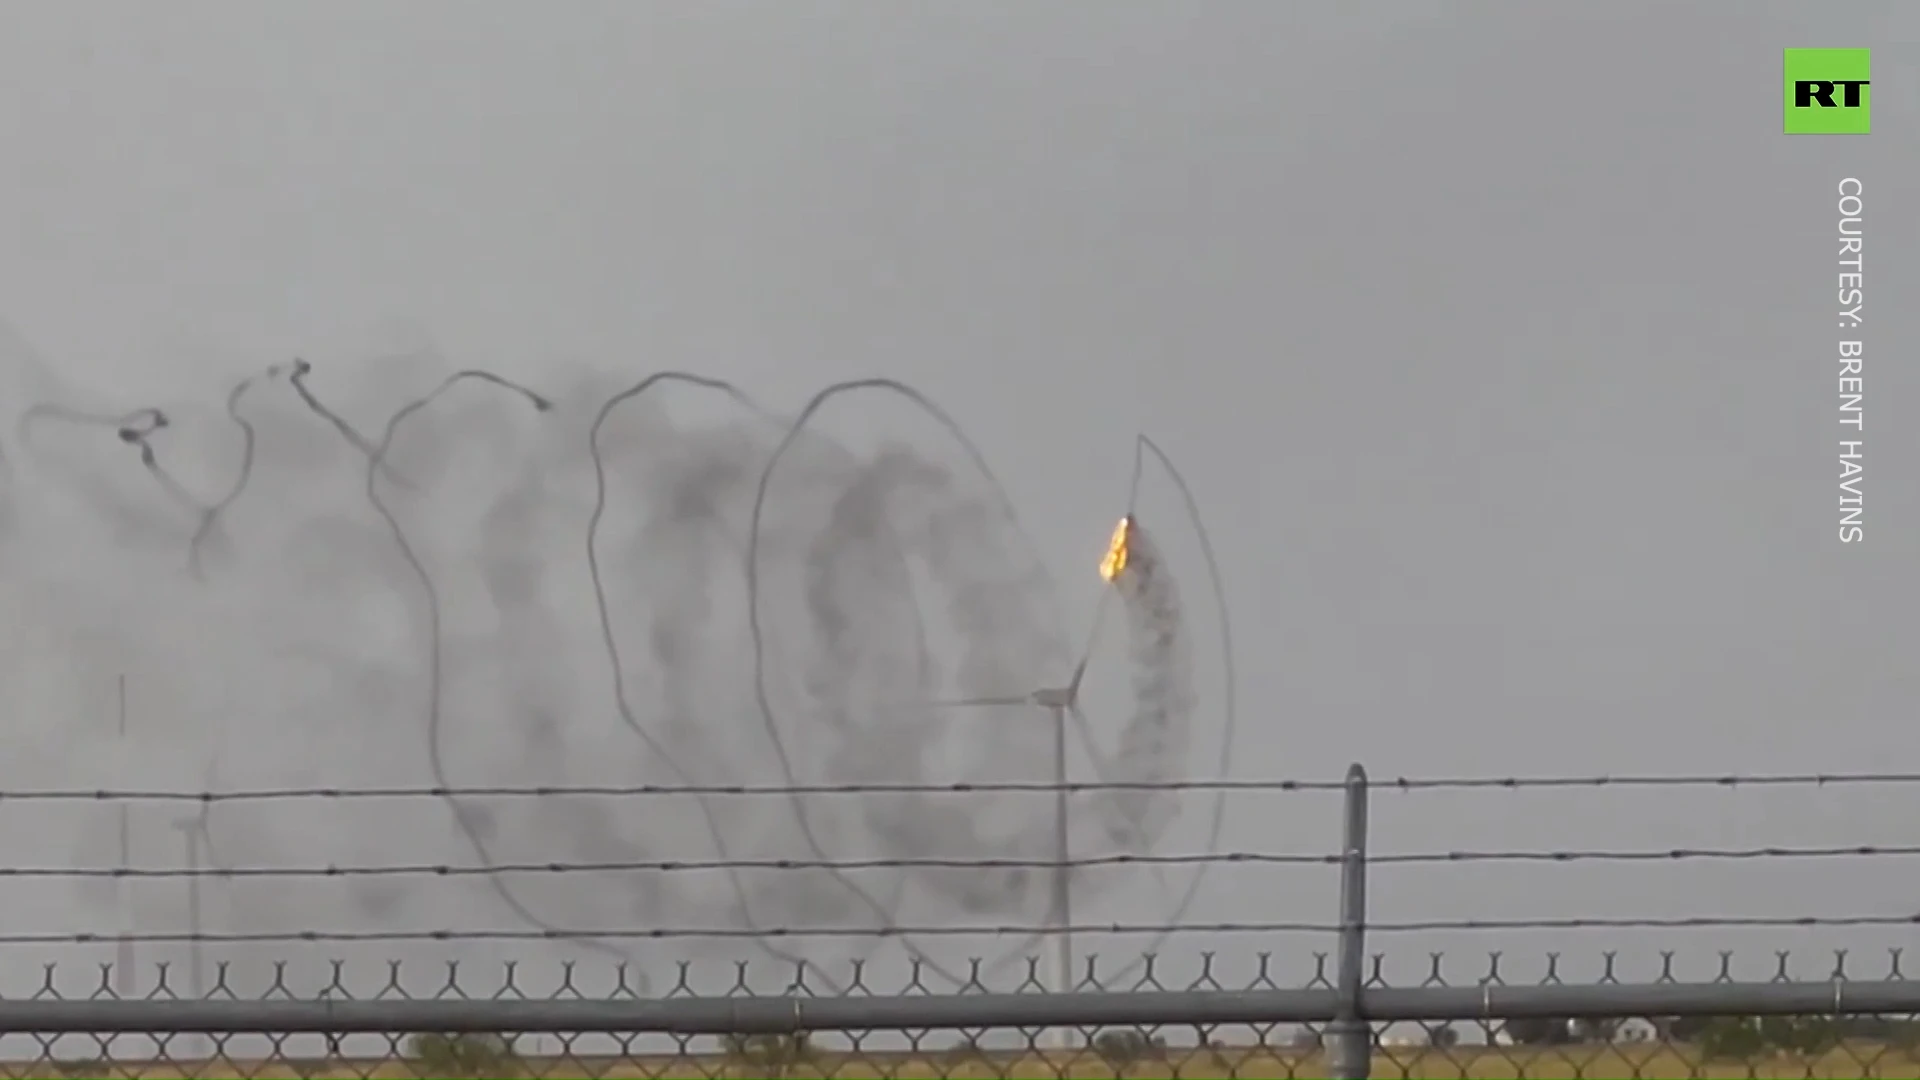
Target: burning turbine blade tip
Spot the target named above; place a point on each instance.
(1116, 557)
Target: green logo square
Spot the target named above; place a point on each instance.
(1827, 92)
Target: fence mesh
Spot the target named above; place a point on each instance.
(218, 956)
(463, 1019)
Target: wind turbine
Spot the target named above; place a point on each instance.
(1064, 702)
(193, 832)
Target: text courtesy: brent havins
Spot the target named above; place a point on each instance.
(1853, 361)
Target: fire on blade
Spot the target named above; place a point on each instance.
(1116, 557)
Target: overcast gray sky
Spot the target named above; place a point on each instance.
(1496, 339)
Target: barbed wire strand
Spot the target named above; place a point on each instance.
(1231, 858)
(1270, 785)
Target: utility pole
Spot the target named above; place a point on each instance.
(192, 829)
(1062, 873)
(123, 974)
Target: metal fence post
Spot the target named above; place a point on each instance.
(1351, 1055)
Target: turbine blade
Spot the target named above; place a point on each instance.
(958, 702)
(1079, 672)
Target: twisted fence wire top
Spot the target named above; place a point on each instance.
(1235, 989)
(1205, 971)
(1193, 928)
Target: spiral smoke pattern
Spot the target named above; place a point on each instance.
(369, 576)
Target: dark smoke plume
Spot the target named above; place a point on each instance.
(751, 604)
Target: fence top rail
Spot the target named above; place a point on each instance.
(766, 1015)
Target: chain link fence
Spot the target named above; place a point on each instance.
(478, 1023)
(1214, 999)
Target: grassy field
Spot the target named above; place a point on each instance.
(1465, 1063)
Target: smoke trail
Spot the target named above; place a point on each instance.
(609, 640)
(150, 460)
(211, 517)
(593, 533)
(134, 429)
(837, 541)
(1162, 679)
(1229, 728)
(1005, 639)
(1001, 506)
(461, 815)
(298, 379)
(142, 422)
(1162, 668)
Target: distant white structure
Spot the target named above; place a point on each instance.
(1636, 1030)
(1398, 1041)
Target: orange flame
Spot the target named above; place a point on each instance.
(1116, 558)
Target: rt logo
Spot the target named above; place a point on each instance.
(1827, 92)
